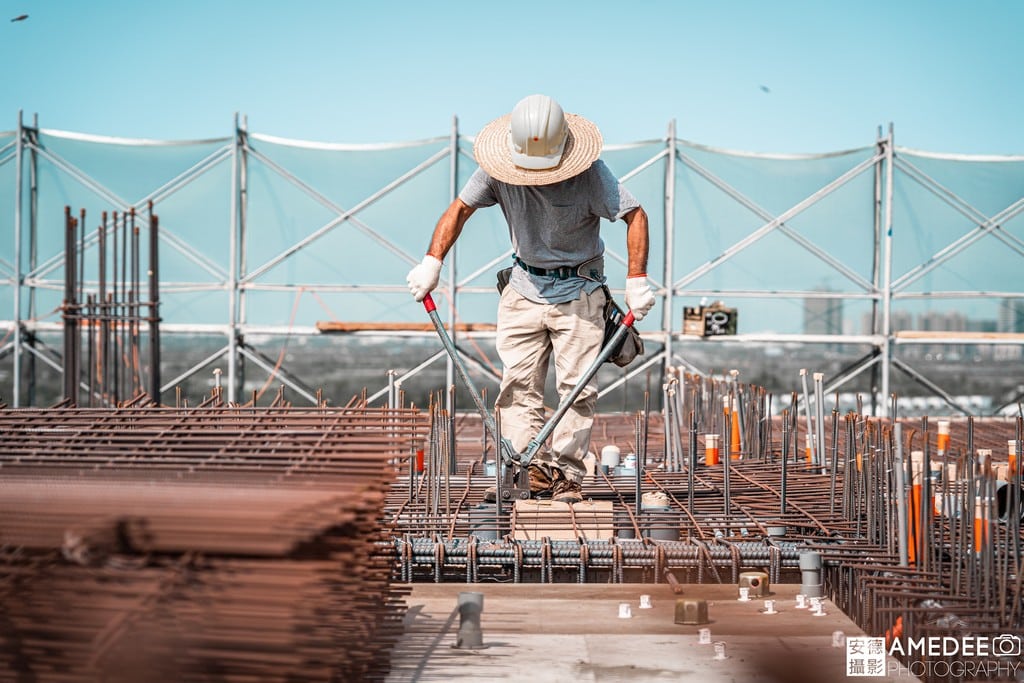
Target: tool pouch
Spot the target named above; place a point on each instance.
(631, 345)
(504, 275)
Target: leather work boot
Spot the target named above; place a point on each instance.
(541, 481)
(566, 491)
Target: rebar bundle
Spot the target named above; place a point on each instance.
(212, 543)
(107, 315)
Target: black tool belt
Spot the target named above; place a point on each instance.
(590, 270)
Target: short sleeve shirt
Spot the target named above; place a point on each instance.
(554, 225)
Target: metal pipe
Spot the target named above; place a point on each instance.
(154, 310)
(18, 277)
(901, 495)
(669, 242)
(242, 272)
(726, 462)
(834, 466)
(785, 460)
(886, 347)
(69, 313)
(233, 270)
(692, 465)
(114, 313)
(819, 418)
(807, 413)
(453, 292)
(138, 381)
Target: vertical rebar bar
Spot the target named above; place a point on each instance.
(154, 307)
(103, 352)
(726, 460)
(901, 495)
(692, 466)
(785, 461)
(819, 420)
(807, 413)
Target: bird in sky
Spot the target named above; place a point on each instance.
(21, 17)
(765, 89)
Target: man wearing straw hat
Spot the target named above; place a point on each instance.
(541, 166)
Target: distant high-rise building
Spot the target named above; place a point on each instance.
(942, 321)
(823, 315)
(1011, 316)
(900, 321)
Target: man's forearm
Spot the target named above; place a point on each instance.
(637, 242)
(448, 228)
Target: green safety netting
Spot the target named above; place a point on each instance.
(284, 234)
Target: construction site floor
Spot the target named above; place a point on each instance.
(573, 632)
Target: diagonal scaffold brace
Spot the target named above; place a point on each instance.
(508, 452)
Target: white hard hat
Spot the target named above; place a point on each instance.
(538, 133)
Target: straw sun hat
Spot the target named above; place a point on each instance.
(494, 151)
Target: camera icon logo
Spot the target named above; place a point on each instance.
(1006, 645)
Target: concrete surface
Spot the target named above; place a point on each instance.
(572, 632)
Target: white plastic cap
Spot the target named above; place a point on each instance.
(538, 133)
(610, 455)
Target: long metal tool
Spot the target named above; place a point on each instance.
(508, 452)
(506, 449)
(542, 436)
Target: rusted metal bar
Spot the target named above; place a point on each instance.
(149, 543)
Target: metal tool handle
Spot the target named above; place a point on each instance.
(504, 445)
(563, 407)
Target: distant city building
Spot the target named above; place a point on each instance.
(981, 325)
(1010, 320)
(943, 321)
(823, 315)
(1011, 316)
(899, 321)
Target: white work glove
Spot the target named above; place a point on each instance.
(423, 278)
(639, 297)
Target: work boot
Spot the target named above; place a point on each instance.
(541, 479)
(566, 490)
(541, 482)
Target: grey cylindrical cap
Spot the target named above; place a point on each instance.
(470, 636)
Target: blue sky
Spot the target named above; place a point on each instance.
(947, 74)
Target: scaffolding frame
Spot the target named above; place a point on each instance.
(25, 276)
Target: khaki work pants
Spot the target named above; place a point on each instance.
(528, 335)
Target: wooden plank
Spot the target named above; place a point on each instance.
(331, 326)
(939, 335)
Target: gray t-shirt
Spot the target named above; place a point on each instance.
(554, 225)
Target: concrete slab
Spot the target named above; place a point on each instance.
(572, 632)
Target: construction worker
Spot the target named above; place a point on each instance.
(541, 166)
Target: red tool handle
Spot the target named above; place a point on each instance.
(428, 303)
(629, 319)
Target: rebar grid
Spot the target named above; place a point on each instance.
(952, 566)
(160, 530)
